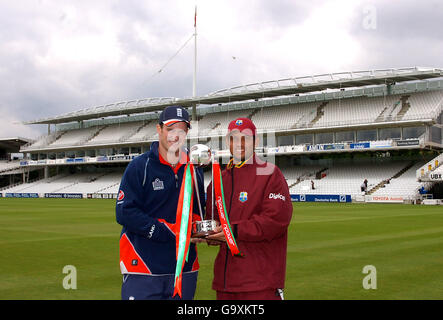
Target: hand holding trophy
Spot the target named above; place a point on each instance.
(201, 156)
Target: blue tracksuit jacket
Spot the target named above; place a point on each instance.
(146, 208)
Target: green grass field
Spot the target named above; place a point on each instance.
(328, 246)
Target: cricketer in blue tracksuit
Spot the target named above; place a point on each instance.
(146, 208)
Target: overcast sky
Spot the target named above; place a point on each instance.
(58, 56)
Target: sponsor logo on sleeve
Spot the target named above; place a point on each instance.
(277, 196)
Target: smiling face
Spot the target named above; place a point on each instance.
(171, 139)
(241, 145)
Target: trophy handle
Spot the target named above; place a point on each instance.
(198, 194)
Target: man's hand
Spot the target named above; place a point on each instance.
(212, 240)
(218, 235)
(198, 240)
(207, 241)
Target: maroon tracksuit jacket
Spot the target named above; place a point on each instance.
(259, 209)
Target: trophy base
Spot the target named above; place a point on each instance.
(201, 229)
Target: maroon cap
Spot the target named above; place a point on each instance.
(244, 125)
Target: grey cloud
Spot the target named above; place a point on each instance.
(406, 20)
(407, 33)
(283, 13)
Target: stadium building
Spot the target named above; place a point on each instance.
(328, 133)
(11, 172)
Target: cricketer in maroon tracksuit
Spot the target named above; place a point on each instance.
(259, 209)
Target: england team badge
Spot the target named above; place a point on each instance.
(243, 197)
(157, 184)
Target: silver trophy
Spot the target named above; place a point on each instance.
(200, 155)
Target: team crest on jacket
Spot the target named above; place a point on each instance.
(157, 184)
(243, 197)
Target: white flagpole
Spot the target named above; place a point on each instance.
(194, 86)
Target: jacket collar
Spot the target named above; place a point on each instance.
(153, 151)
(250, 160)
(155, 155)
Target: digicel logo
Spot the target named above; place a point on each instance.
(277, 196)
(121, 195)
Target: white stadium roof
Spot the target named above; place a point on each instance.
(255, 91)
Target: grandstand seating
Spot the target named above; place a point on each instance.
(45, 140)
(9, 165)
(346, 179)
(115, 133)
(32, 186)
(146, 132)
(424, 103)
(330, 118)
(357, 110)
(75, 137)
(405, 185)
(300, 173)
(284, 117)
(216, 123)
(338, 179)
(76, 183)
(99, 183)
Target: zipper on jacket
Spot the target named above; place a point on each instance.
(176, 180)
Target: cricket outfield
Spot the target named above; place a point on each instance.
(329, 246)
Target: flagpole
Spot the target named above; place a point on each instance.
(194, 86)
(194, 82)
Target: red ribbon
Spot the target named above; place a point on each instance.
(221, 208)
(183, 226)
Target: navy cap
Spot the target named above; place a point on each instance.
(174, 114)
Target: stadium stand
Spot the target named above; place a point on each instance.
(146, 132)
(358, 110)
(404, 185)
(113, 133)
(433, 166)
(76, 183)
(75, 137)
(428, 103)
(338, 112)
(347, 179)
(8, 165)
(215, 123)
(284, 117)
(376, 112)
